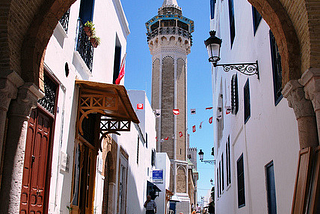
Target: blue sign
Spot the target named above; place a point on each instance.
(157, 175)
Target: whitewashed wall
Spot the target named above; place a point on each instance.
(271, 132)
(109, 20)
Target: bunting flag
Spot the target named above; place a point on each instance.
(122, 71)
(194, 128)
(167, 138)
(157, 112)
(180, 134)
(228, 109)
(140, 106)
(210, 120)
(200, 127)
(193, 111)
(176, 111)
(208, 108)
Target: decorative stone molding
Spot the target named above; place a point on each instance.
(295, 95)
(27, 98)
(311, 82)
(10, 81)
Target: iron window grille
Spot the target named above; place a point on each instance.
(64, 21)
(49, 100)
(83, 46)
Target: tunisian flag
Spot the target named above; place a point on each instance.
(176, 111)
(122, 72)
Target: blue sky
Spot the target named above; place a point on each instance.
(138, 71)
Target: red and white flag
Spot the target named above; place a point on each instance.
(122, 71)
(194, 128)
(210, 120)
(167, 138)
(176, 111)
(140, 106)
(180, 134)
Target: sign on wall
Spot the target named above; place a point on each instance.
(157, 175)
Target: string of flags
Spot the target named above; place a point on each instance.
(176, 112)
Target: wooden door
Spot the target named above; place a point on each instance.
(36, 163)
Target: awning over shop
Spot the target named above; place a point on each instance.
(152, 190)
(109, 100)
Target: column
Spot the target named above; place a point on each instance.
(18, 116)
(311, 82)
(10, 81)
(303, 109)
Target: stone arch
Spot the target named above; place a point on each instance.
(294, 26)
(26, 37)
(181, 179)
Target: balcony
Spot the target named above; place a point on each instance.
(83, 46)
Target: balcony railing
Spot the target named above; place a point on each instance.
(169, 30)
(64, 21)
(84, 46)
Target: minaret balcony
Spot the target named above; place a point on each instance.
(169, 31)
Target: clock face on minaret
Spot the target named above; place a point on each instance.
(170, 40)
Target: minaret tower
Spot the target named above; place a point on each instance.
(169, 39)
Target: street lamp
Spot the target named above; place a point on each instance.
(201, 153)
(213, 45)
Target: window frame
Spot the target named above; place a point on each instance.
(241, 178)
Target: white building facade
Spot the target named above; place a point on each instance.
(255, 132)
(101, 147)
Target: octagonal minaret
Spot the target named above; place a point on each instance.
(169, 39)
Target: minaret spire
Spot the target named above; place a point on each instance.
(170, 3)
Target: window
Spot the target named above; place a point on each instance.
(220, 189)
(276, 69)
(247, 110)
(153, 157)
(222, 173)
(183, 25)
(271, 189)
(122, 184)
(117, 60)
(138, 145)
(228, 162)
(256, 18)
(234, 94)
(232, 21)
(240, 180)
(212, 7)
(86, 10)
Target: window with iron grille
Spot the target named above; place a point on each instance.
(240, 180)
(234, 94)
(64, 21)
(247, 107)
(50, 90)
(276, 69)
(256, 18)
(232, 21)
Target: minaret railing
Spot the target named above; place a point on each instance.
(169, 31)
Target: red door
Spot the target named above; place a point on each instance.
(36, 163)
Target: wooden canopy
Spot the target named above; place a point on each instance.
(109, 100)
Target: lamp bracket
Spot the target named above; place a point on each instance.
(248, 69)
(209, 161)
